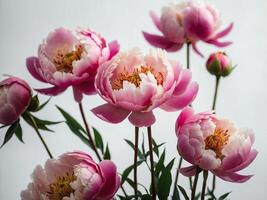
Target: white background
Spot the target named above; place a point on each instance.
(242, 96)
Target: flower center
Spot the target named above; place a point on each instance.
(135, 78)
(61, 187)
(63, 60)
(217, 141)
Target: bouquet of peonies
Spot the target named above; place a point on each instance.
(133, 84)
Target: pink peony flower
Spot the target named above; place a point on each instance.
(214, 144)
(69, 59)
(189, 21)
(15, 97)
(219, 64)
(134, 84)
(73, 176)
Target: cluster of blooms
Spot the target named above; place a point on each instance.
(133, 84)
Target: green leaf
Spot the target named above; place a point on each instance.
(107, 155)
(18, 133)
(160, 164)
(165, 181)
(127, 171)
(43, 105)
(140, 155)
(10, 132)
(183, 192)
(75, 127)
(98, 140)
(224, 196)
(176, 195)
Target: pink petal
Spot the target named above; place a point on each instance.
(195, 48)
(87, 87)
(185, 114)
(78, 95)
(111, 180)
(183, 82)
(110, 113)
(218, 43)
(188, 171)
(33, 65)
(233, 177)
(181, 101)
(53, 91)
(162, 42)
(155, 20)
(224, 32)
(140, 119)
(114, 48)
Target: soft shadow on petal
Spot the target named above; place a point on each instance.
(52, 91)
(142, 119)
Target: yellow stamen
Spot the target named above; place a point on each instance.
(134, 77)
(63, 61)
(217, 141)
(61, 187)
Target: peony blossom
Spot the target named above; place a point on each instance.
(15, 97)
(133, 84)
(68, 58)
(214, 144)
(73, 176)
(219, 64)
(187, 22)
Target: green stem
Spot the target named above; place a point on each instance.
(188, 55)
(215, 93)
(177, 175)
(40, 136)
(153, 185)
(193, 194)
(204, 185)
(135, 160)
(88, 132)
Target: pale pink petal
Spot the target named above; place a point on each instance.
(114, 48)
(155, 20)
(110, 113)
(195, 48)
(224, 32)
(142, 119)
(183, 82)
(208, 160)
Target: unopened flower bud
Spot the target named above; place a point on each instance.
(219, 64)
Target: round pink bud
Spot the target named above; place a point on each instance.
(15, 96)
(219, 64)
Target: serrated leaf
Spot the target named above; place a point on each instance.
(183, 192)
(98, 140)
(18, 133)
(75, 127)
(165, 181)
(10, 132)
(140, 155)
(224, 196)
(107, 155)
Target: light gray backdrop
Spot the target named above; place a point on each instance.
(242, 97)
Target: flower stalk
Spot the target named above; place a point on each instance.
(193, 193)
(204, 185)
(135, 160)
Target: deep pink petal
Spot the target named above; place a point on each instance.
(233, 177)
(140, 119)
(33, 66)
(53, 91)
(224, 32)
(110, 113)
(111, 180)
(188, 171)
(162, 42)
(155, 20)
(184, 115)
(114, 48)
(195, 48)
(87, 87)
(78, 95)
(218, 43)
